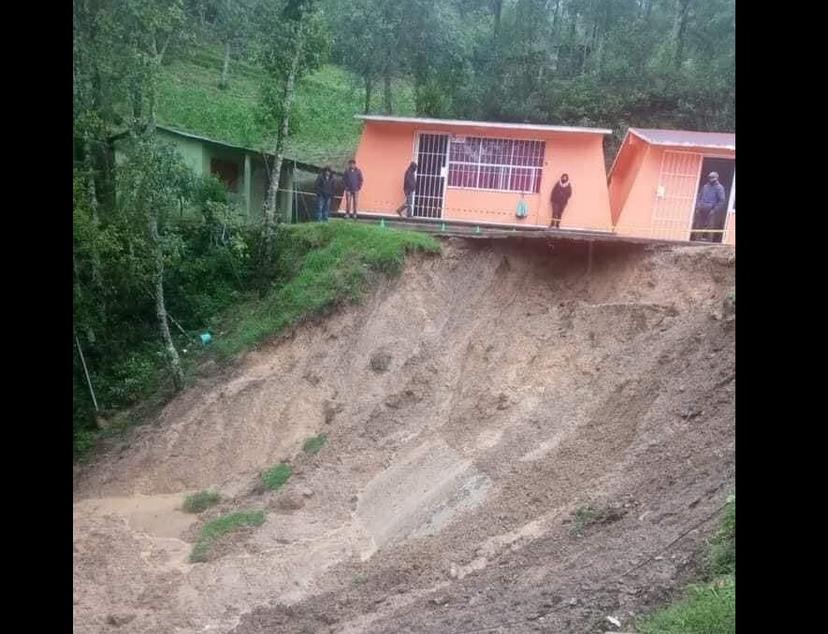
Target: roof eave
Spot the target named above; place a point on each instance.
(484, 124)
(700, 146)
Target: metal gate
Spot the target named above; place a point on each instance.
(432, 158)
(675, 202)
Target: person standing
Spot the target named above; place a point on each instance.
(324, 193)
(409, 186)
(561, 193)
(352, 179)
(710, 207)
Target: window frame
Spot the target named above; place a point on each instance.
(537, 169)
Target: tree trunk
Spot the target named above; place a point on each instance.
(369, 89)
(680, 29)
(386, 94)
(137, 104)
(160, 306)
(90, 179)
(497, 11)
(556, 20)
(281, 137)
(223, 82)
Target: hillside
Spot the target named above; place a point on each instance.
(323, 128)
(506, 445)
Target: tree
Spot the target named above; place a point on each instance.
(680, 29)
(151, 185)
(230, 26)
(362, 45)
(128, 40)
(145, 31)
(291, 44)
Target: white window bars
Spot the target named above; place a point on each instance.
(510, 165)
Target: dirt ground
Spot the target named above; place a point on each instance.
(471, 406)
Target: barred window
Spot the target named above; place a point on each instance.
(495, 164)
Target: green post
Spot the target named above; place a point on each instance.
(442, 226)
(477, 229)
(382, 222)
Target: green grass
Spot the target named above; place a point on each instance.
(201, 501)
(315, 443)
(723, 545)
(707, 609)
(223, 525)
(275, 477)
(323, 128)
(320, 265)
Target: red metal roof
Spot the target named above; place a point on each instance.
(712, 140)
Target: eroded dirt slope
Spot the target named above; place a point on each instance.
(471, 407)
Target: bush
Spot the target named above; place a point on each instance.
(201, 501)
(274, 478)
(314, 444)
(218, 527)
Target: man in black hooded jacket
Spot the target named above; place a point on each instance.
(560, 197)
(409, 185)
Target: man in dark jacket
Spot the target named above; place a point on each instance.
(352, 179)
(409, 185)
(560, 197)
(324, 193)
(710, 207)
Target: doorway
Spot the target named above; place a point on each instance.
(726, 168)
(432, 154)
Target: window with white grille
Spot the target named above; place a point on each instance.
(495, 164)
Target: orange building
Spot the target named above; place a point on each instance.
(657, 176)
(479, 172)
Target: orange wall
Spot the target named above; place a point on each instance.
(386, 149)
(383, 155)
(630, 157)
(634, 212)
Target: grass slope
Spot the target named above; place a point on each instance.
(323, 128)
(320, 265)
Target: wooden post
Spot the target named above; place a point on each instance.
(248, 184)
(86, 372)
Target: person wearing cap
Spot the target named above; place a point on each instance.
(710, 207)
(409, 185)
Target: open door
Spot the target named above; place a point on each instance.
(432, 157)
(726, 168)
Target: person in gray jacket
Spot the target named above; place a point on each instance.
(352, 179)
(710, 208)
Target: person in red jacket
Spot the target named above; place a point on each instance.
(560, 197)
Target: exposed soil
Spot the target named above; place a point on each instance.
(472, 406)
